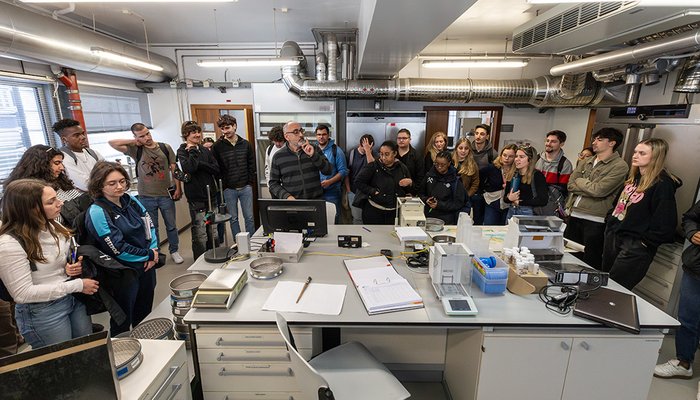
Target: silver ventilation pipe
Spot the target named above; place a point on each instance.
(332, 53)
(663, 47)
(539, 92)
(351, 61)
(32, 37)
(689, 78)
(321, 66)
(344, 61)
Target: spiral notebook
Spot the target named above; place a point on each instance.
(380, 287)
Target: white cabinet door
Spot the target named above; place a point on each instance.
(523, 367)
(609, 368)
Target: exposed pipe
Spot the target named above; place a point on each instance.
(689, 78)
(32, 37)
(321, 62)
(539, 92)
(673, 45)
(69, 9)
(70, 81)
(344, 61)
(332, 53)
(351, 61)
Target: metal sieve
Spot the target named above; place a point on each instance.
(127, 356)
(266, 267)
(157, 328)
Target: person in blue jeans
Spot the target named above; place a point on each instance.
(37, 272)
(155, 168)
(688, 334)
(331, 183)
(235, 157)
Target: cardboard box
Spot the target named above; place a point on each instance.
(526, 283)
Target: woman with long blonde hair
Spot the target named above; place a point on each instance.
(37, 263)
(496, 176)
(644, 217)
(528, 187)
(438, 143)
(467, 169)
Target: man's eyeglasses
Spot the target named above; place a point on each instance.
(299, 131)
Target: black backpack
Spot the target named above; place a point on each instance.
(556, 197)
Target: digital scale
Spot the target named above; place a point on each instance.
(448, 269)
(220, 288)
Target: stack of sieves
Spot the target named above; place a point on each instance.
(182, 291)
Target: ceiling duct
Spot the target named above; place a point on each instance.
(583, 28)
(28, 36)
(689, 77)
(539, 92)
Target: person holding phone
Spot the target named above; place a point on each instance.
(37, 265)
(528, 187)
(443, 193)
(294, 172)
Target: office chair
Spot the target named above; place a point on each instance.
(330, 213)
(346, 372)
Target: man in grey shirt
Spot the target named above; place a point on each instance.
(155, 162)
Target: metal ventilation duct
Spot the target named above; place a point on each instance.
(539, 92)
(689, 77)
(33, 37)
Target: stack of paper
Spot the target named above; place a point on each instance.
(318, 298)
(380, 287)
(411, 233)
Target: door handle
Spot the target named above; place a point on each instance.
(257, 371)
(585, 346)
(565, 346)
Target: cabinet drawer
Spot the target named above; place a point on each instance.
(243, 355)
(263, 337)
(655, 285)
(248, 377)
(663, 270)
(251, 396)
(651, 298)
(670, 253)
(177, 389)
(165, 382)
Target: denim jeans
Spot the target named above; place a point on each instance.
(167, 210)
(494, 215)
(135, 296)
(688, 334)
(245, 196)
(522, 210)
(201, 233)
(334, 196)
(50, 322)
(356, 211)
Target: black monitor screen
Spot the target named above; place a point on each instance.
(304, 216)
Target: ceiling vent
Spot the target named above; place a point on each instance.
(593, 27)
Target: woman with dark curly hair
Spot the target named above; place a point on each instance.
(46, 163)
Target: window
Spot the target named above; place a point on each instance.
(109, 114)
(23, 113)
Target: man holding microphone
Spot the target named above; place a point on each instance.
(294, 173)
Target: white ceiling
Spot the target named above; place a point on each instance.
(393, 38)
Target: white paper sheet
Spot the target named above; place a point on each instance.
(319, 298)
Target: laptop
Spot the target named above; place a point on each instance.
(610, 308)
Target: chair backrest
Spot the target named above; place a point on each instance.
(330, 213)
(309, 381)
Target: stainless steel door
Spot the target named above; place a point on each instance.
(384, 126)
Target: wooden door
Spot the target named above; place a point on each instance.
(207, 115)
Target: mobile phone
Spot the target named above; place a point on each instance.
(171, 192)
(73, 250)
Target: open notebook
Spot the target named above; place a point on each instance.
(380, 287)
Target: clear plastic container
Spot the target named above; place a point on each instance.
(490, 280)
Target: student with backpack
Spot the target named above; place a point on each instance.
(79, 159)
(37, 265)
(123, 229)
(556, 169)
(155, 169)
(331, 183)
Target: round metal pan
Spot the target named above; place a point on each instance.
(266, 267)
(180, 311)
(186, 285)
(177, 302)
(434, 224)
(443, 239)
(127, 356)
(157, 328)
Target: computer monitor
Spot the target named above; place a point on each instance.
(304, 216)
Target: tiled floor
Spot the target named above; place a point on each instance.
(661, 389)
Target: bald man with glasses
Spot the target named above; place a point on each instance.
(294, 172)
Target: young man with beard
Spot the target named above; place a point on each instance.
(556, 169)
(483, 154)
(331, 183)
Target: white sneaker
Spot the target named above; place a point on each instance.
(672, 369)
(177, 258)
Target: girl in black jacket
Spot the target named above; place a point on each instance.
(532, 191)
(442, 191)
(381, 182)
(644, 216)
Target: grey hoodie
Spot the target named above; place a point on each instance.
(485, 156)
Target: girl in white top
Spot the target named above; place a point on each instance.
(46, 312)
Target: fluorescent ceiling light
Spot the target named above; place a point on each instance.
(665, 3)
(110, 55)
(133, 1)
(251, 62)
(502, 63)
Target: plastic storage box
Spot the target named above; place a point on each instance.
(491, 280)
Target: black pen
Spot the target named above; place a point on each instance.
(366, 229)
(306, 284)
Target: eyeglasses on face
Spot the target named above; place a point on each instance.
(299, 131)
(111, 184)
(402, 138)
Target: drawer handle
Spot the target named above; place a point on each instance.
(565, 346)
(222, 357)
(171, 376)
(221, 342)
(290, 398)
(257, 371)
(176, 388)
(585, 346)
(660, 282)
